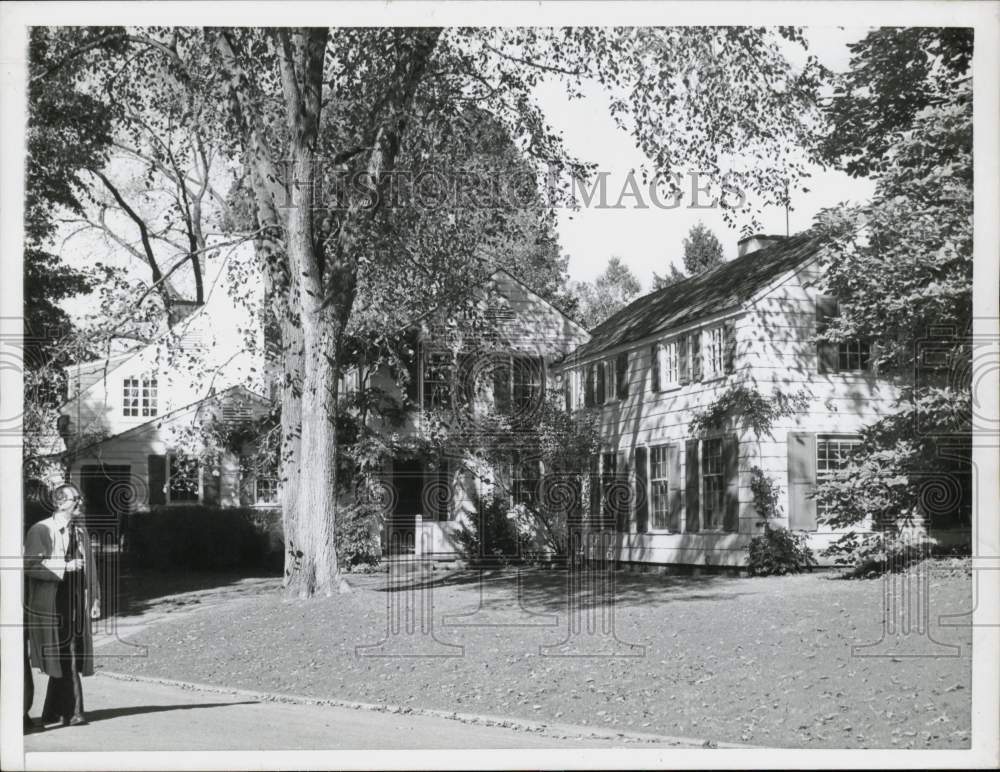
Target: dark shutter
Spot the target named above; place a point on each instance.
(211, 474)
(826, 352)
(595, 490)
(624, 517)
(731, 469)
(801, 481)
(693, 510)
(568, 389)
(501, 386)
(601, 378)
(674, 488)
(654, 367)
(590, 392)
(157, 478)
(641, 498)
(694, 354)
(683, 361)
(729, 342)
(621, 375)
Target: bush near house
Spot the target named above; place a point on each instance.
(206, 538)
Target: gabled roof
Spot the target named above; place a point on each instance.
(218, 396)
(715, 291)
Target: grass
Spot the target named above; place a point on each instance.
(762, 661)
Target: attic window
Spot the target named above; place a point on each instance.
(139, 397)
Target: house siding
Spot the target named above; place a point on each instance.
(773, 349)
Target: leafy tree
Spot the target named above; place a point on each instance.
(901, 267)
(610, 292)
(320, 121)
(702, 251)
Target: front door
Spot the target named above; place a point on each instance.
(109, 495)
(408, 481)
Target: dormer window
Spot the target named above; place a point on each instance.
(139, 397)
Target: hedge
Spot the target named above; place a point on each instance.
(206, 538)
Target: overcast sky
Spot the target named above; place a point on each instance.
(649, 239)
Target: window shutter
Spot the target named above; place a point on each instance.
(801, 481)
(683, 362)
(621, 375)
(595, 490)
(695, 355)
(568, 389)
(674, 488)
(502, 387)
(641, 499)
(729, 341)
(654, 367)
(826, 352)
(210, 476)
(601, 376)
(590, 392)
(157, 479)
(731, 468)
(693, 510)
(624, 514)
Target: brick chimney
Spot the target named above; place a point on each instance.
(753, 243)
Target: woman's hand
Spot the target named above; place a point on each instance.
(95, 610)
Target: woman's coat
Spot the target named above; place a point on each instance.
(44, 570)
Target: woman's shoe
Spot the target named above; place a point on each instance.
(77, 720)
(51, 718)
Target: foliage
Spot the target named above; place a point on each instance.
(901, 267)
(358, 535)
(203, 538)
(702, 252)
(490, 536)
(777, 550)
(610, 292)
(746, 405)
(316, 122)
(895, 74)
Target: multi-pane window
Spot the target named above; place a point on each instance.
(139, 397)
(714, 351)
(658, 487)
(438, 373)
(610, 381)
(831, 456)
(853, 355)
(266, 490)
(590, 386)
(184, 479)
(527, 386)
(667, 365)
(713, 483)
(525, 481)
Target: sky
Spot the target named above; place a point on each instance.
(650, 239)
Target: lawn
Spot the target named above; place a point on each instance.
(760, 661)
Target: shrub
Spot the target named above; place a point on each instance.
(490, 535)
(205, 538)
(777, 551)
(358, 537)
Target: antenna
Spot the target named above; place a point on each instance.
(787, 207)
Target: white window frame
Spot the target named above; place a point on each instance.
(713, 352)
(140, 396)
(610, 392)
(651, 454)
(668, 364)
(825, 474)
(199, 492)
(256, 491)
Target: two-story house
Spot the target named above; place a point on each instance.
(131, 425)
(460, 370)
(652, 366)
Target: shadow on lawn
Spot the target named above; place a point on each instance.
(129, 590)
(548, 589)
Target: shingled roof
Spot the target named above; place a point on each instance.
(715, 291)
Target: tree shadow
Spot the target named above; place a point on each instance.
(548, 589)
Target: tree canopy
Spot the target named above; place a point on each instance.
(613, 289)
(702, 251)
